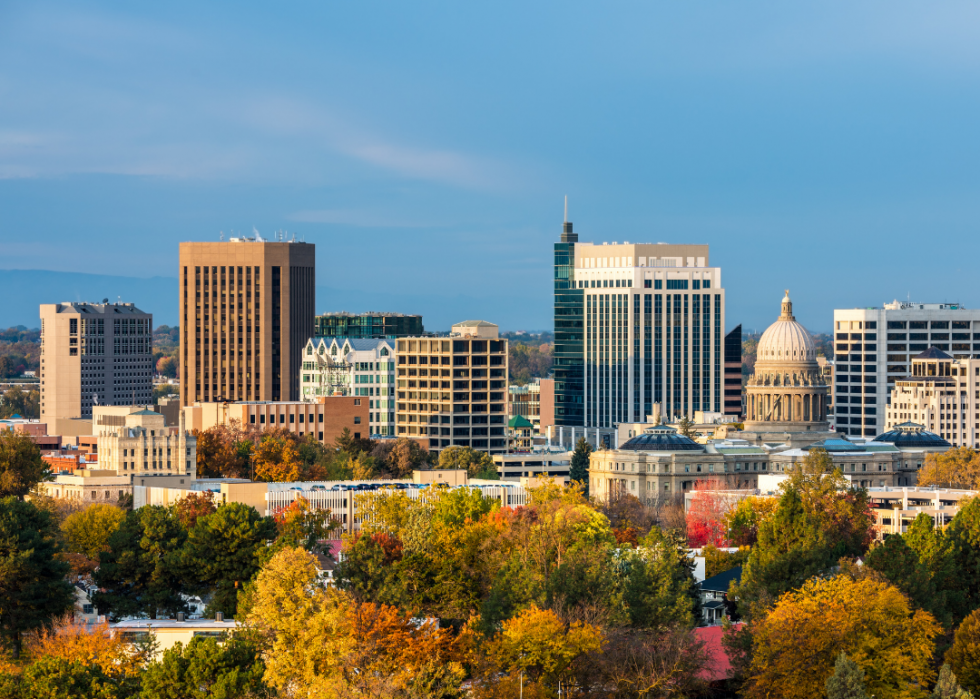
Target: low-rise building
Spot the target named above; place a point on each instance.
(324, 419)
(714, 595)
(169, 632)
(535, 464)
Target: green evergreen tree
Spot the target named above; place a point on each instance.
(947, 686)
(21, 467)
(901, 566)
(963, 534)
(579, 470)
(207, 668)
(140, 574)
(684, 427)
(847, 682)
(223, 552)
(33, 588)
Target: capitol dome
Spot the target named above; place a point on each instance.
(786, 340)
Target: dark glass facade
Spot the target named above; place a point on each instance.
(378, 326)
(733, 372)
(569, 348)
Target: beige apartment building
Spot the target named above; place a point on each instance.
(93, 354)
(454, 390)
(246, 308)
(942, 395)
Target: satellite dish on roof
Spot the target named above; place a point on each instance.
(105, 301)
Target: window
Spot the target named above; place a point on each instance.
(357, 419)
(357, 401)
(676, 283)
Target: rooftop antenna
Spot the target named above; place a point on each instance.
(221, 235)
(566, 208)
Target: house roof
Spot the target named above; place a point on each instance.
(720, 582)
(932, 353)
(719, 665)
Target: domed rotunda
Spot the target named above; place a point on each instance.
(787, 393)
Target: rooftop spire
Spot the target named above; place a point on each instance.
(787, 310)
(566, 230)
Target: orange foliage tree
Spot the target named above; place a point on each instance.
(277, 460)
(89, 644)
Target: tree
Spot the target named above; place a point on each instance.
(963, 657)
(21, 467)
(847, 682)
(472, 461)
(956, 468)
(299, 524)
(87, 532)
(33, 589)
(404, 457)
(538, 644)
(208, 668)
(706, 517)
(717, 561)
(900, 565)
(934, 550)
(222, 553)
(684, 427)
(16, 401)
(947, 687)
(742, 520)
(192, 507)
(579, 469)
(167, 366)
(140, 574)
(796, 645)
(56, 678)
(963, 535)
(659, 588)
(276, 460)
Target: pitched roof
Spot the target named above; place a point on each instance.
(932, 353)
(720, 582)
(519, 421)
(146, 412)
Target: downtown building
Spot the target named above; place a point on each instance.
(341, 366)
(368, 325)
(874, 348)
(653, 331)
(246, 309)
(93, 354)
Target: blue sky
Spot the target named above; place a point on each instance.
(828, 147)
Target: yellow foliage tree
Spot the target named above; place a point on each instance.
(795, 646)
(964, 655)
(76, 641)
(276, 460)
(537, 643)
(87, 532)
(956, 468)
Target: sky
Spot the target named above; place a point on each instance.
(826, 147)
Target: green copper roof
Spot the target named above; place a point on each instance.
(519, 421)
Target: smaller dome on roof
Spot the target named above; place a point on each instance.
(910, 434)
(661, 438)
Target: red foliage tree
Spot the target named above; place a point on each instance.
(706, 517)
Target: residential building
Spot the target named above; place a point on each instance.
(246, 309)
(324, 419)
(454, 390)
(942, 394)
(653, 327)
(874, 349)
(93, 354)
(714, 595)
(733, 372)
(368, 325)
(340, 366)
(569, 350)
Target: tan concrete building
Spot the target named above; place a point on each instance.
(454, 390)
(324, 419)
(140, 445)
(246, 309)
(942, 395)
(93, 354)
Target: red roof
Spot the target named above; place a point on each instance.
(718, 665)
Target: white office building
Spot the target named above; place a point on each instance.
(342, 366)
(874, 348)
(654, 317)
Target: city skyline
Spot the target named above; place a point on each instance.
(133, 130)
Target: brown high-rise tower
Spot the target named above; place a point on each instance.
(246, 309)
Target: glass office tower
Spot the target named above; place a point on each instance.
(569, 358)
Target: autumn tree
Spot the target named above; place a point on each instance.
(399, 458)
(276, 460)
(87, 532)
(900, 565)
(717, 561)
(795, 647)
(579, 467)
(947, 687)
(300, 524)
(473, 461)
(193, 506)
(21, 467)
(963, 657)
(33, 589)
(141, 574)
(956, 468)
(706, 516)
(742, 520)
